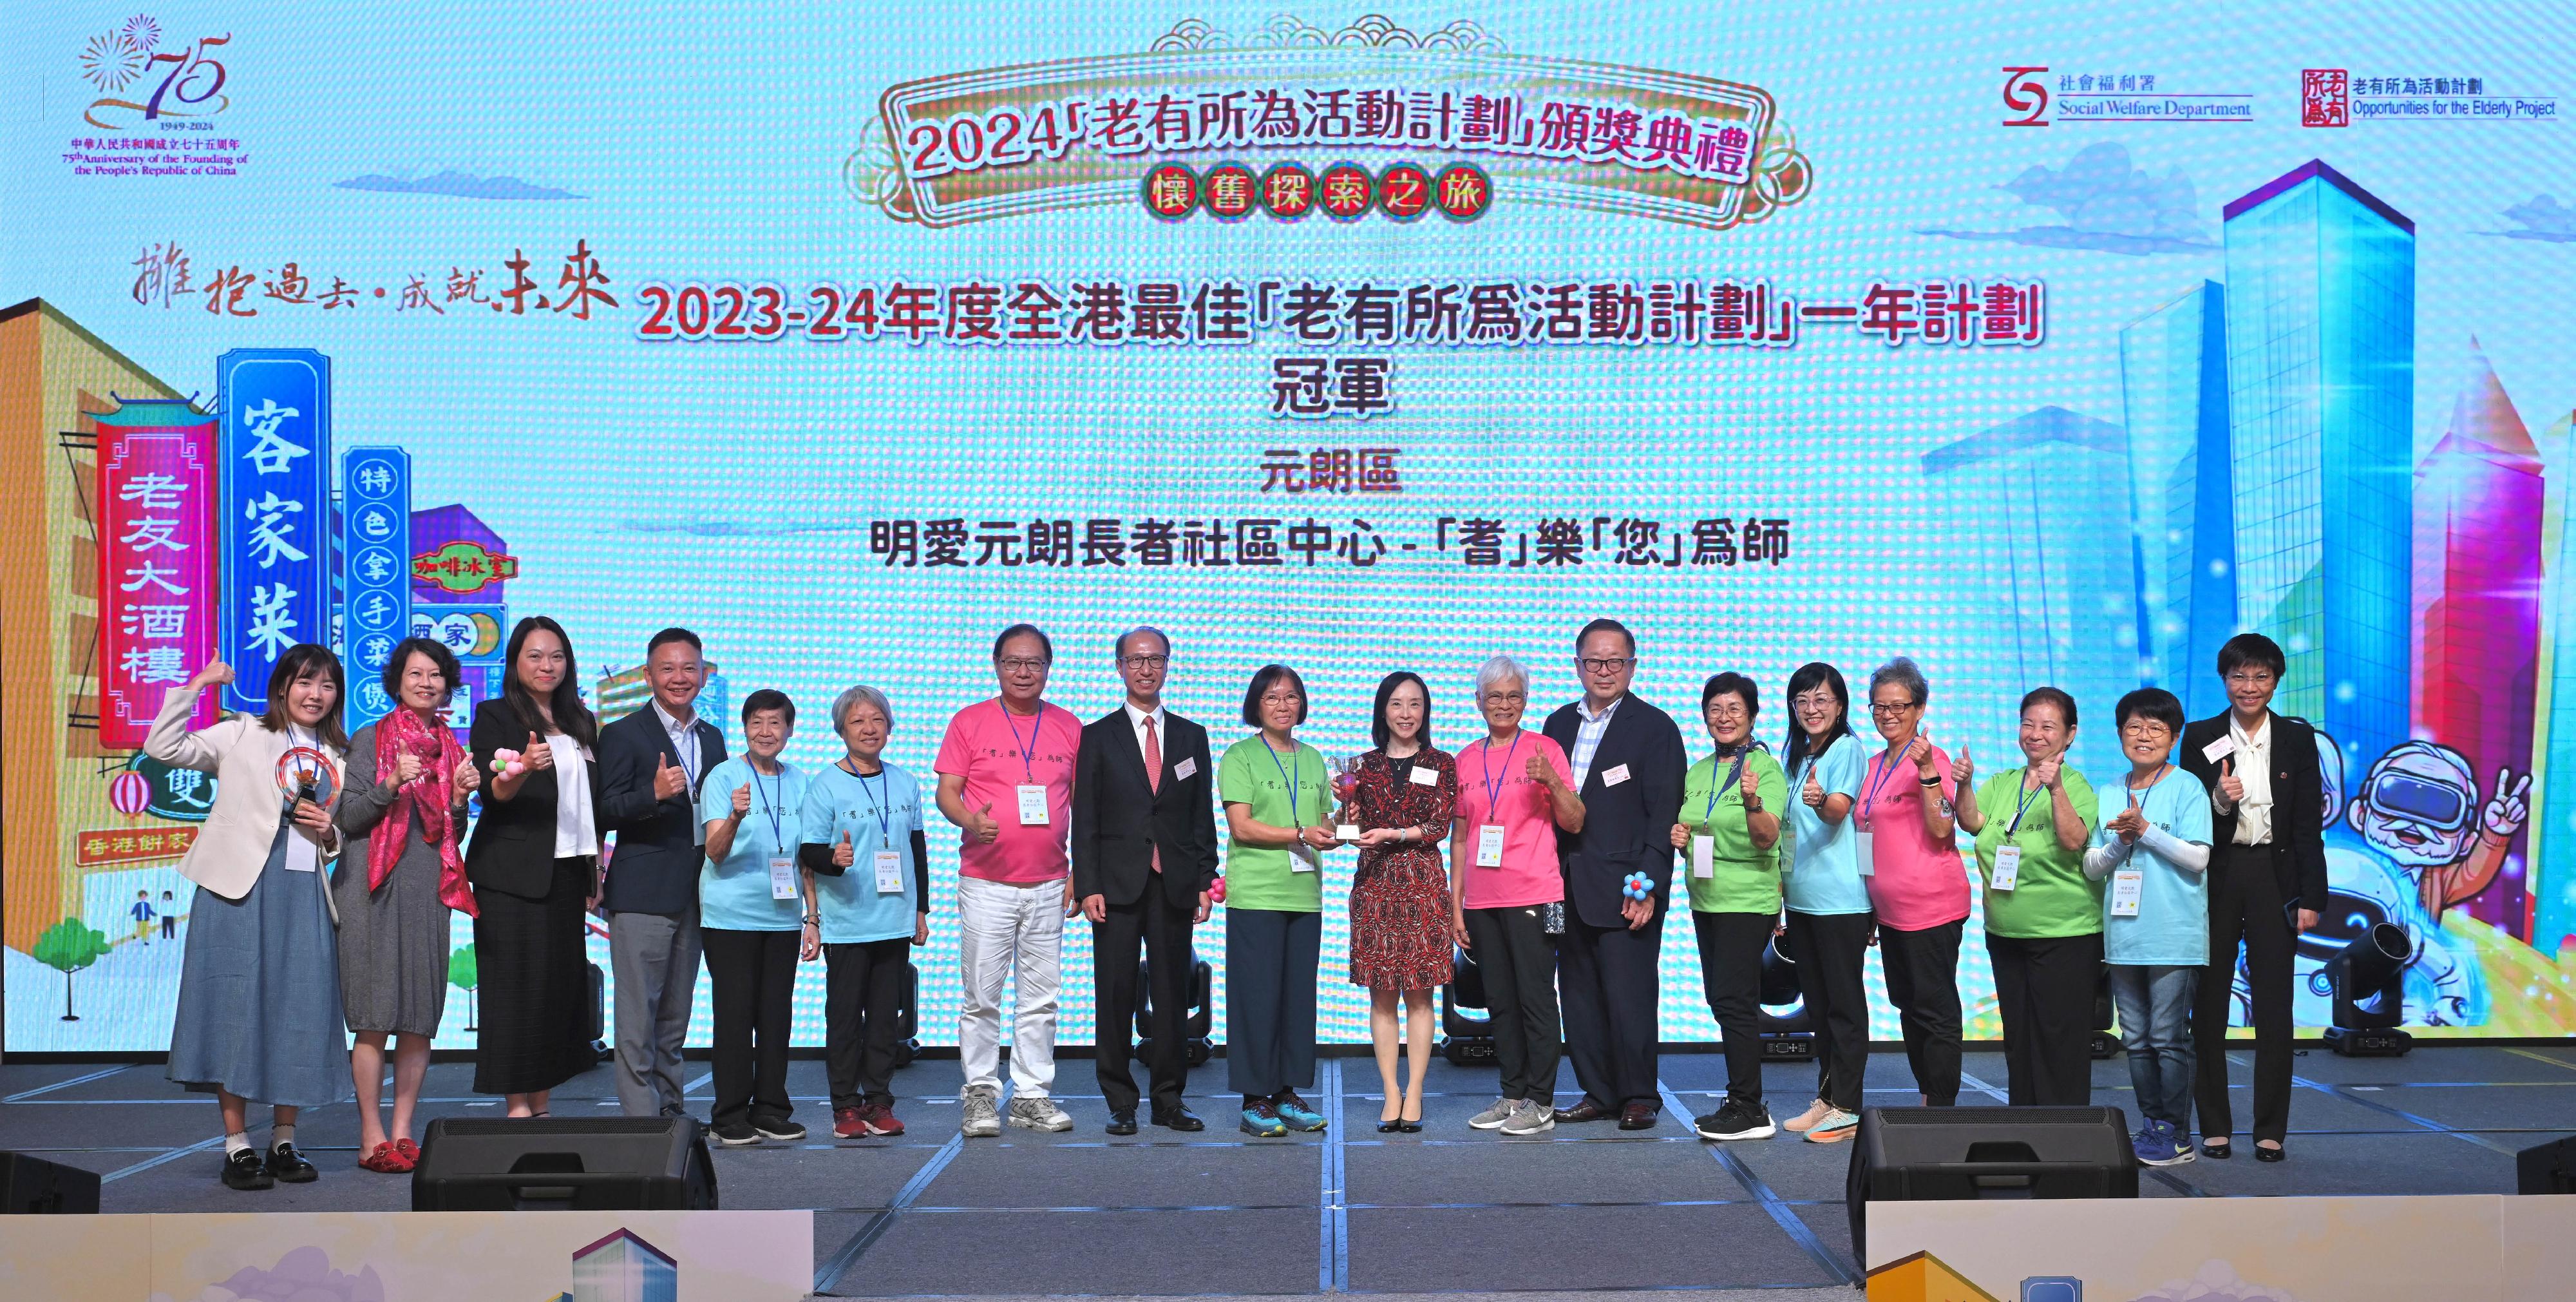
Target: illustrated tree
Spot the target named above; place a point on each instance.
(461, 974)
(67, 947)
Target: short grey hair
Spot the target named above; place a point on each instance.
(1497, 671)
(861, 695)
(1904, 673)
(1121, 640)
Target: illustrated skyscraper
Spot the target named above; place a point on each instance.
(2039, 505)
(2551, 847)
(2173, 384)
(624, 1268)
(2321, 383)
(2477, 585)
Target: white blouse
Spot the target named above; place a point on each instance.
(576, 830)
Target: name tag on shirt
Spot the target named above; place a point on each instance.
(2128, 886)
(889, 872)
(1788, 844)
(302, 856)
(1703, 856)
(782, 877)
(1033, 807)
(1302, 857)
(2219, 749)
(1614, 776)
(1489, 845)
(1186, 767)
(2007, 868)
(1423, 777)
(1861, 847)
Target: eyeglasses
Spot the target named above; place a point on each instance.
(1723, 709)
(1598, 665)
(1888, 711)
(1815, 701)
(1016, 665)
(2145, 728)
(1144, 662)
(1506, 696)
(2252, 678)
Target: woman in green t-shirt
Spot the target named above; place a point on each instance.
(1275, 790)
(1730, 830)
(2043, 914)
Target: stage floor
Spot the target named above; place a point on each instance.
(1448, 1211)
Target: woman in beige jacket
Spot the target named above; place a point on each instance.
(259, 988)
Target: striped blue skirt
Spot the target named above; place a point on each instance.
(259, 992)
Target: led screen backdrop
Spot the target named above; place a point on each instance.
(2040, 348)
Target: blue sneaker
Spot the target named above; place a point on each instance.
(1262, 1120)
(2153, 1145)
(2184, 1150)
(1294, 1111)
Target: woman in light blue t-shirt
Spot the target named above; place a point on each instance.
(867, 892)
(747, 913)
(1829, 919)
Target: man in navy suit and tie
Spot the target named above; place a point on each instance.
(650, 764)
(1628, 762)
(1144, 858)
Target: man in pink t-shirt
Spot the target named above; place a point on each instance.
(1006, 780)
(1918, 885)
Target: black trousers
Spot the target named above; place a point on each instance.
(862, 998)
(1518, 959)
(1922, 970)
(1270, 964)
(1828, 949)
(1730, 970)
(1161, 930)
(2044, 990)
(1608, 979)
(2245, 904)
(754, 974)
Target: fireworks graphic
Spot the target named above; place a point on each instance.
(110, 60)
(142, 33)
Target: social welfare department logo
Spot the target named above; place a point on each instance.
(124, 61)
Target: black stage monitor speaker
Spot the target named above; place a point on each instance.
(2543, 1169)
(585, 1164)
(32, 1184)
(1915, 1154)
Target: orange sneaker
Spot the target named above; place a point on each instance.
(1804, 1121)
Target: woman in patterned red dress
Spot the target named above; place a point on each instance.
(1403, 798)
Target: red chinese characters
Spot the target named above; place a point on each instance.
(156, 546)
(1171, 191)
(1288, 192)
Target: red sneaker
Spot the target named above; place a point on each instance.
(849, 1123)
(880, 1119)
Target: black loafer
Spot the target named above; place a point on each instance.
(1178, 1118)
(289, 1166)
(2262, 1154)
(1122, 1122)
(245, 1171)
(2218, 1152)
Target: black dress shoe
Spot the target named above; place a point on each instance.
(245, 1170)
(1389, 1127)
(2217, 1152)
(2277, 1154)
(1409, 1127)
(285, 1164)
(1587, 1110)
(1177, 1117)
(1122, 1122)
(1637, 1116)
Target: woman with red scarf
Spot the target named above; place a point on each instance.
(401, 812)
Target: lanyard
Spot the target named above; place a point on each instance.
(1028, 749)
(877, 801)
(1709, 814)
(689, 755)
(769, 804)
(2026, 798)
(1494, 789)
(2134, 802)
(1291, 783)
(1869, 799)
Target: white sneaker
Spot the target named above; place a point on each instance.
(1530, 1117)
(1037, 1112)
(980, 1120)
(1493, 1117)
(1799, 1124)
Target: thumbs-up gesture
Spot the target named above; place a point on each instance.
(466, 779)
(981, 824)
(1539, 770)
(1963, 770)
(668, 780)
(538, 755)
(2046, 771)
(1813, 793)
(406, 769)
(741, 801)
(1750, 783)
(2231, 788)
(842, 855)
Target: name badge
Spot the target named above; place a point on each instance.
(1186, 767)
(2219, 749)
(1033, 807)
(2007, 868)
(1703, 856)
(1303, 859)
(1489, 845)
(1346, 831)
(782, 877)
(2128, 885)
(1614, 776)
(1425, 777)
(1861, 853)
(1788, 844)
(889, 872)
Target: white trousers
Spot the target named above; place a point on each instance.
(1014, 931)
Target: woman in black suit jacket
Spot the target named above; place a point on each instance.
(534, 863)
(2267, 883)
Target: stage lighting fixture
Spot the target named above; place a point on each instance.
(2368, 977)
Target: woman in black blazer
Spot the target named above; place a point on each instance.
(534, 863)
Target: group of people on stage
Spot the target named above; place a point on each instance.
(1548, 856)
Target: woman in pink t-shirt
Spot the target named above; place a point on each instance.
(1515, 790)
(1918, 885)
